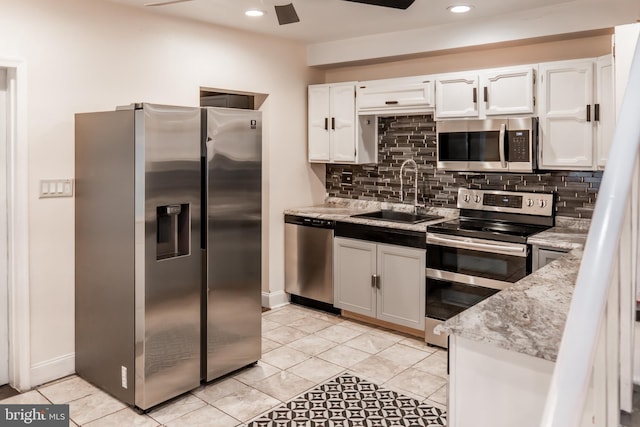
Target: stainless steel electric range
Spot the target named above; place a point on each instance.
(482, 252)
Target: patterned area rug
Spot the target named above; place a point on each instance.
(349, 401)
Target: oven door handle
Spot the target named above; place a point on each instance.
(449, 276)
(502, 249)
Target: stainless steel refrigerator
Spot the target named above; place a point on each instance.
(163, 301)
(138, 256)
(232, 162)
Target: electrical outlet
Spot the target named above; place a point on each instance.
(347, 178)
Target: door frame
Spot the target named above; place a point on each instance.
(18, 226)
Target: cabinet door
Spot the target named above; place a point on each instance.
(566, 127)
(354, 266)
(545, 256)
(401, 288)
(457, 96)
(401, 95)
(507, 91)
(605, 108)
(343, 123)
(318, 123)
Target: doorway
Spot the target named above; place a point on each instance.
(15, 355)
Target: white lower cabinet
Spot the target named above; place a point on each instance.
(492, 386)
(381, 281)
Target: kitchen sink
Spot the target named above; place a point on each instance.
(397, 216)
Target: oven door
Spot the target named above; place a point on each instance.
(472, 145)
(446, 299)
(476, 262)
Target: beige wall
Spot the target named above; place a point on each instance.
(89, 56)
(504, 54)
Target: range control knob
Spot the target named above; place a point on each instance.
(542, 203)
(466, 198)
(530, 202)
(477, 198)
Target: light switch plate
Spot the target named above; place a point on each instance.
(56, 188)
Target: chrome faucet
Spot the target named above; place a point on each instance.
(411, 162)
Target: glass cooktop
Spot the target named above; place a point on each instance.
(487, 229)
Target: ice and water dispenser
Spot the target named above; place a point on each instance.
(173, 231)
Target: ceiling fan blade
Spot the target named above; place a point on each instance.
(396, 4)
(286, 14)
(164, 3)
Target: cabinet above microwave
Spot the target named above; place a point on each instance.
(486, 93)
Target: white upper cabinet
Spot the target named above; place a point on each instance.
(456, 96)
(605, 114)
(508, 91)
(336, 134)
(479, 94)
(408, 95)
(576, 113)
(318, 124)
(566, 130)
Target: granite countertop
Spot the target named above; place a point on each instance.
(563, 237)
(339, 209)
(529, 317)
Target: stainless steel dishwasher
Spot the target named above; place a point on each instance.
(309, 258)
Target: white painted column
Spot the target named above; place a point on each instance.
(4, 317)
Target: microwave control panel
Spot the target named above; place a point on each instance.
(519, 146)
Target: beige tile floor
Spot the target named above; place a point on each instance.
(300, 349)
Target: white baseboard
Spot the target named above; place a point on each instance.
(274, 299)
(53, 369)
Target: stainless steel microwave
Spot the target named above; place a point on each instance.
(493, 145)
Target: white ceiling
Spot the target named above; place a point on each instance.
(338, 31)
(328, 20)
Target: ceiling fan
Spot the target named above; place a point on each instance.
(287, 13)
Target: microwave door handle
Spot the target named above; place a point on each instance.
(501, 143)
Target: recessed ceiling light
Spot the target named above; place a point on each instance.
(254, 12)
(462, 8)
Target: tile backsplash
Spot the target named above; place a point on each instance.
(405, 137)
